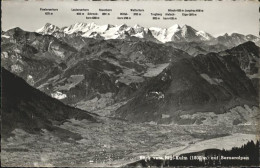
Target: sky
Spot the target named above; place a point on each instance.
(219, 17)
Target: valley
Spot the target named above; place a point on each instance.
(116, 143)
(106, 96)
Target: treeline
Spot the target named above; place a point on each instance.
(246, 155)
(251, 150)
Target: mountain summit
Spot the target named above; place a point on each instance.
(48, 28)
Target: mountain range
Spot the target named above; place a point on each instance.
(60, 70)
(175, 33)
(135, 73)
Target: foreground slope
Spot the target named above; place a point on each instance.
(27, 108)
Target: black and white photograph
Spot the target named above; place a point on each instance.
(143, 83)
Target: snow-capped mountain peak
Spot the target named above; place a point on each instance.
(205, 35)
(48, 29)
(123, 27)
(187, 31)
(174, 27)
(136, 26)
(189, 34)
(83, 27)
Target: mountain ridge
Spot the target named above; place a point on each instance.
(204, 84)
(173, 33)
